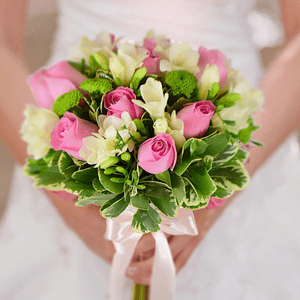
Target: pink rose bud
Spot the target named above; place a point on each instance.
(157, 154)
(119, 100)
(64, 195)
(215, 202)
(69, 133)
(48, 85)
(213, 58)
(152, 65)
(196, 117)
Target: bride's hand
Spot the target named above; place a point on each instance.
(182, 246)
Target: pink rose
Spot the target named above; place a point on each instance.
(196, 117)
(48, 85)
(119, 100)
(157, 154)
(69, 133)
(213, 58)
(152, 61)
(215, 202)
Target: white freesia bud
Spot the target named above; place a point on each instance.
(36, 130)
(160, 126)
(180, 57)
(210, 76)
(128, 59)
(155, 100)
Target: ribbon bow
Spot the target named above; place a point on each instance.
(125, 240)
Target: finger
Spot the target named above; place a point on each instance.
(141, 271)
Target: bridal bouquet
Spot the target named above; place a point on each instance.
(152, 128)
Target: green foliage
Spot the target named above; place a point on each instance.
(98, 61)
(113, 187)
(144, 221)
(114, 207)
(193, 150)
(96, 199)
(215, 88)
(86, 175)
(182, 82)
(201, 181)
(228, 153)
(165, 177)
(137, 77)
(162, 198)
(178, 187)
(81, 67)
(96, 85)
(66, 101)
(78, 188)
(245, 134)
(215, 143)
(228, 99)
(230, 177)
(221, 193)
(140, 201)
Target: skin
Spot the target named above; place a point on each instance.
(281, 89)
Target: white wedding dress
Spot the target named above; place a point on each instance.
(252, 252)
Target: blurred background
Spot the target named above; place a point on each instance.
(264, 19)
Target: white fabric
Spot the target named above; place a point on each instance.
(252, 251)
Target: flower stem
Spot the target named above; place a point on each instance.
(139, 292)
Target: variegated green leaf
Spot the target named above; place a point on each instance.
(64, 162)
(78, 188)
(215, 144)
(162, 198)
(97, 185)
(113, 187)
(228, 153)
(231, 178)
(144, 221)
(178, 187)
(114, 207)
(221, 193)
(99, 199)
(85, 175)
(140, 201)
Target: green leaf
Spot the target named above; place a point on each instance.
(97, 185)
(140, 126)
(165, 177)
(113, 187)
(49, 178)
(162, 198)
(215, 88)
(64, 161)
(230, 177)
(201, 181)
(256, 143)
(145, 221)
(114, 207)
(191, 199)
(177, 106)
(96, 200)
(192, 151)
(230, 97)
(70, 170)
(215, 144)
(66, 101)
(221, 193)
(140, 201)
(241, 155)
(99, 61)
(54, 159)
(78, 188)
(208, 162)
(86, 175)
(229, 122)
(245, 134)
(137, 77)
(228, 153)
(178, 187)
(96, 85)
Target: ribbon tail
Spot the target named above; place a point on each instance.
(121, 260)
(163, 274)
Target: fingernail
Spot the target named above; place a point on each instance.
(132, 271)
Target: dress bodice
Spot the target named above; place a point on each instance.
(214, 24)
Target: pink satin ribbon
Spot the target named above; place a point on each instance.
(125, 240)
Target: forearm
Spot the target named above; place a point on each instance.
(14, 95)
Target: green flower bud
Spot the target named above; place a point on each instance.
(109, 162)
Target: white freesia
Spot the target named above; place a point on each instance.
(155, 100)
(172, 126)
(251, 101)
(179, 57)
(209, 76)
(128, 59)
(103, 43)
(36, 130)
(160, 126)
(98, 148)
(175, 129)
